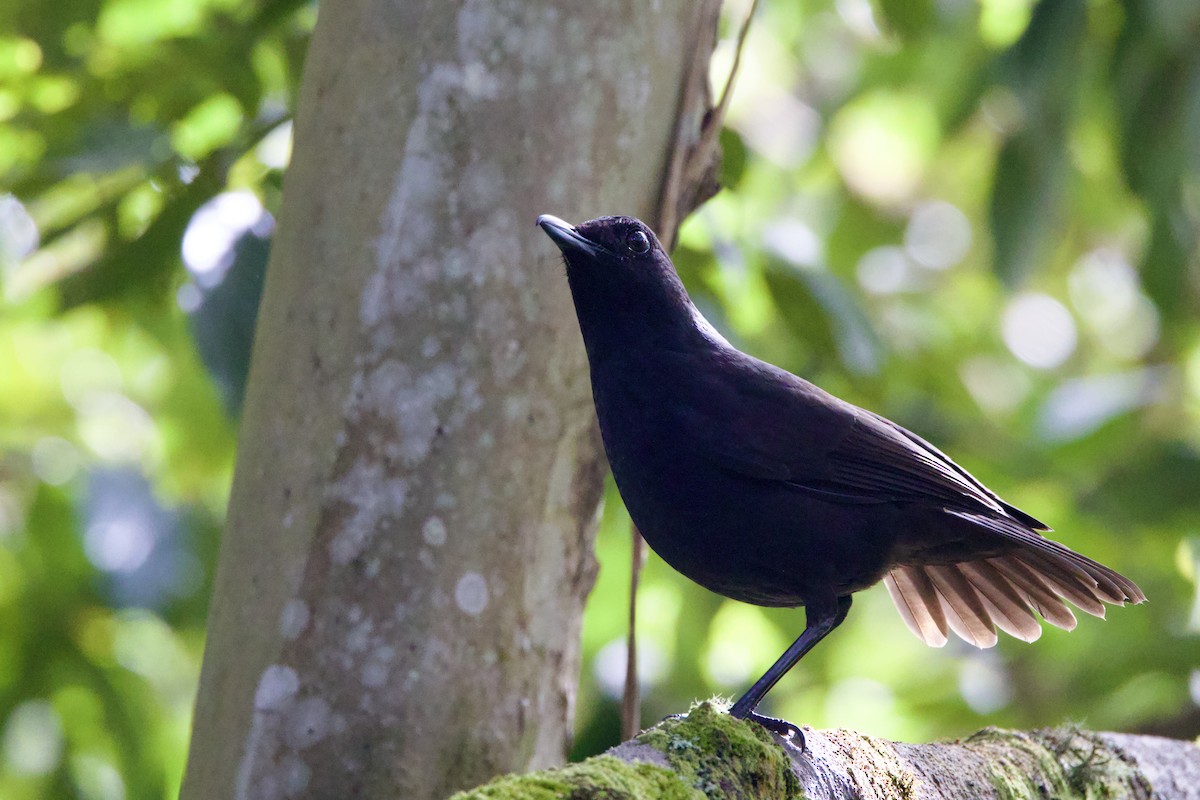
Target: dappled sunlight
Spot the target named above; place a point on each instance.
(55, 460)
(216, 227)
(860, 704)
(119, 545)
(275, 150)
(610, 662)
(998, 386)
(1105, 291)
(1078, 406)
(18, 232)
(882, 144)
(984, 683)
(795, 242)
(887, 270)
(859, 18)
(1001, 22)
(938, 235)
(33, 738)
(1039, 330)
(741, 641)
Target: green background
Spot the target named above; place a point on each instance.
(979, 219)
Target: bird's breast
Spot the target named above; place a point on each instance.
(758, 541)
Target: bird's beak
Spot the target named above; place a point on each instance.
(566, 237)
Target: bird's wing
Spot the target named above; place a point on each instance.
(788, 430)
(957, 474)
(883, 459)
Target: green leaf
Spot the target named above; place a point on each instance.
(908, 19)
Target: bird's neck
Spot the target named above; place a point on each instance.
(620, 322)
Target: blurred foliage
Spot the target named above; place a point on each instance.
(123, 125)
(979, 219)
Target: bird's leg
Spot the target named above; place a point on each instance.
(822, 618)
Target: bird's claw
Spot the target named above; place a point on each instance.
(792, 734)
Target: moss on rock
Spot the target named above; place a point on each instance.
(709, 753)
(722, 756)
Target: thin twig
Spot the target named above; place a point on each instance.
(690, 175)
(631, 710)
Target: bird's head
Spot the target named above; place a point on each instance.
(606, 243)
(625, 287)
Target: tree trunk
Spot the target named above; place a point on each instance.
(710, 754)
(408, 546)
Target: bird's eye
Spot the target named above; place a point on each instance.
(637, 241)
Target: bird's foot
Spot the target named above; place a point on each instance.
(792, 734)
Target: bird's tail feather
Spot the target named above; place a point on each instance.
(974, 598)
(917, 600)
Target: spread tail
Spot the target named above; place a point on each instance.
(973, 598)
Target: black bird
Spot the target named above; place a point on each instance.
(762, 487)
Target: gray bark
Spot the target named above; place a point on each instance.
(408, 545)
(709, 754)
